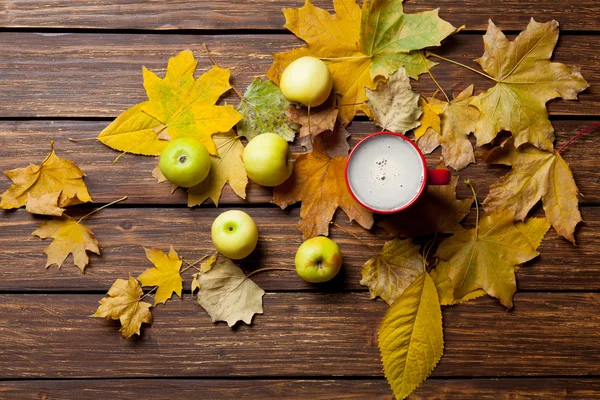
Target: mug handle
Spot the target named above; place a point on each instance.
(438, 177)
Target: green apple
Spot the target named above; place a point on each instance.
(318, 259)
(185, 162)
(234, 234)
(307, 81)
(268, 160)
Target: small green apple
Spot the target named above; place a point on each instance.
(268, 160)
(234, 234)
(318, 259)
(307, 81)
(185, 162)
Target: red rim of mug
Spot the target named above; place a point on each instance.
(423, 183)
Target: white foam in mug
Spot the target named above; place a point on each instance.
(386, 172)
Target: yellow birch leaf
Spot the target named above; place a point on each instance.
(430, 119)
(124, 303)
(410, 337)
(69, 237)
(166, 274)
(526, 81)
(227, 168)
(53, 175)
(393, 269)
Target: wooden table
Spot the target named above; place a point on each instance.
(69, 67)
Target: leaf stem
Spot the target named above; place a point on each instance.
(193, 265)
(468, 182)
(269, 269)
(100, 208)
(462, 65)
(586, 130)
(215, 63)
(361, 241)
(82, 139)
(432, 77)
(148, 293)
(344, 58)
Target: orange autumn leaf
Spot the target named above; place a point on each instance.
(46, 188)
(319, 182)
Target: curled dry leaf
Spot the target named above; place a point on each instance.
(535, 175)
(178, 106)
(334, 143)
(394, 268)
(322, 118)
(228, 167)
(486, 256)
(319, 182)
(69, 237)
(228, 295)
(360, 46)
(394, 104)
(54, 184)
(410, 336)
(526, 81)
(263, 110)
(438, 210)
(166, 274)
(124, 303)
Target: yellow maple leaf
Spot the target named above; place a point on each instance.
(430, 119)
(166, 274)
(319, 182)
(178, 106)
(124, 303)
(361, 46)
(410, 337)
(535, 175)
(526, 81)
(46, 204)
(41, 183)
(70, 237)
(228, 167)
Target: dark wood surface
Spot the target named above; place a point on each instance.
(68, 67)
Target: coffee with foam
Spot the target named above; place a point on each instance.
(386, 172)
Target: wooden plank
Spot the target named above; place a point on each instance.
(123, 232)
(300, 335)
(99, 75)
(266, 14)
(284, 389)
(24, 142)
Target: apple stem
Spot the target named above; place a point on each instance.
(100, 208)
(586, 130)
(217, 65)
(370, 246)
(269, 269)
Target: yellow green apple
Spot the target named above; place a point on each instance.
(268, 160)
(185, 162)
(234, 234)
(318, 259)
(307, 81)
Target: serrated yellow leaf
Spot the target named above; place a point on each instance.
(124, 303)
(70, 237)
(410, 337)
(429, 119)
(228, 167)
(46, 204)
(166, 274)
(204, 267)
(38, 182)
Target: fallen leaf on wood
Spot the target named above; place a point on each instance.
(69, 237)
(430, 119)
(263, 110)
(334, 143)
(410, 337)
(394, 268)
(319, 182)
(228, 295)
(535, 175)
(394, 105)
(359, 47)
(166, 274)
(438, 210)
(526, 81)
(124, 302)
(322, 118)
(39, 185)
(228, 167)
(204, 267)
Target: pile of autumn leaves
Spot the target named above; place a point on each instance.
(372, 52)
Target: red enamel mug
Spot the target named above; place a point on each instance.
(386, 173)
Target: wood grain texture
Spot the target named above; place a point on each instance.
(284, 389)
(300, 334)
(24, 142)
(123, 233)
(266, 14)
(99, 75)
